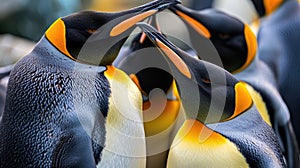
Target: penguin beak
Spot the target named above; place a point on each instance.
(186, 15)
(169, 50)
(153, 22)
(141, 13)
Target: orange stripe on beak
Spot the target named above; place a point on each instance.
(125, 25)
(176, 60)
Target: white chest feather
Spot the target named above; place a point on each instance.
(125, 138)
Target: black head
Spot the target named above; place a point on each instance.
(233, 40)
(219, 95)
(86, 36)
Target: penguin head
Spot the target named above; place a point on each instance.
(234, 40)
(104, 33)
(150, 78)
(208, 78)
(141, 40)
(266, 7)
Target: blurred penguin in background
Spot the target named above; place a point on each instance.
(278, 46)
(199, 5)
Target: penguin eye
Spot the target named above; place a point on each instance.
(224, 36)
(206, 80)
(91, 31)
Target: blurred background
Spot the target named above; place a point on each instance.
(23, 22)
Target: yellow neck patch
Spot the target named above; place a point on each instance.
(196, 132)
(164, 121)
(259, 103)
(251, 47)
(195, 24)
(271, 5)
(114, 74)
(243, 100)
(56, 34)
(195, 145)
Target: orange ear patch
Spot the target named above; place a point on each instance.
(56, 34)
(251, 48)
(243, 100)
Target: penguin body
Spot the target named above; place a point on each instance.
(277, 36)
(161, 106)
(235, 143)
(218, 127)
(251, 134)
(236, 46)
(66, 104)
(55, 132)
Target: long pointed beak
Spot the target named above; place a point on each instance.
(169, 50)
(141, 13)
(186, 15)
(153, 22)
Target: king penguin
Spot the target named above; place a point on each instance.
(161, 105)
(67, 106)
(278, 37)
(236, 46)
(223, 127)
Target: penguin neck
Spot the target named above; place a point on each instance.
(251, 66)
(193, 137)
(44, 48)
(160, 112)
